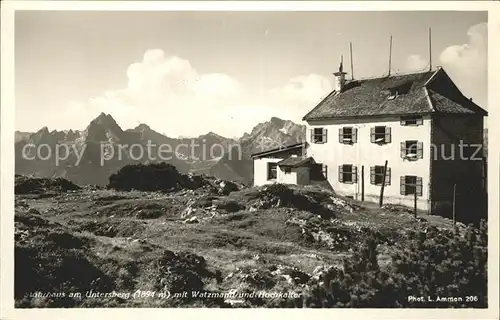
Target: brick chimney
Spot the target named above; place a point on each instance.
(339, 78)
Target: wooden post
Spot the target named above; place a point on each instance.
(390, 56)
(381, 201)
(352, 68)
(415, 203)
(362, 183)
(430, 50)
(454, 199)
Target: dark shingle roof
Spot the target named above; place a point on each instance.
(445, 104)
(290, 147)
(370, 97)
(294, 162)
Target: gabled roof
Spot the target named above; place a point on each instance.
(417, 94)
(290, 147)
(294, 162)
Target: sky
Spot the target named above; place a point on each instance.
(188, 73)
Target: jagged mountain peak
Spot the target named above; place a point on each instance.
(106, 120)
(273, 126)
(277, 121)
(71, 135)
(43, 136)
(103, 115)
(45, 129)
(271, 134)
(212, 135)
(103, 128)
(142, 127)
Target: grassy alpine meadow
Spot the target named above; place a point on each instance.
(214, 243)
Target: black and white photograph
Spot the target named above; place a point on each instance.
(250, 159)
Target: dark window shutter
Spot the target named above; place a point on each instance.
(419, 186)
(420, 150)
(341, 135)
(311, 132)
(354, 174)
(387, 134)
(403, 122)
(325, 134)
(388, 177)
(354, 135)
(372, 175)
(420, 121)
(324, 169)
(403, 149)
(372, 134)
(402, 185)
(341, 175)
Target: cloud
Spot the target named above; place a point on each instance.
(307, 89)
(299, 95)
(415, 63)
(170, 95)
(165, 92)
(467, 64)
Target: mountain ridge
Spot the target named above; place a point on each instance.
(209, 153)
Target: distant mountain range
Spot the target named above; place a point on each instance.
(81, 152)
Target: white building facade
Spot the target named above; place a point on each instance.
(286, 165)
(405, 121)
(354, 153)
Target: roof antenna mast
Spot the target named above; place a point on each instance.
(430, 50)
(352, 69)
(390, 55)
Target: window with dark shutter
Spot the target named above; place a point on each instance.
(318, 135)
(347, 135)
(412, 150)
(420, 150)
(288, 170)
(271, 171)
(380, 134)
(419, 186)
(412, 120)
(387, 135)
(377, 175)
(402, 185)
(348, 173)
(411, 185)
(324, 170)
(411, 147)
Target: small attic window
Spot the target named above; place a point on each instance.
(392, 96)
(399, 89)
(411, 120)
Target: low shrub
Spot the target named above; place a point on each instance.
(152, 177)
(51, 263)
(27, 185)
(438, 265)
